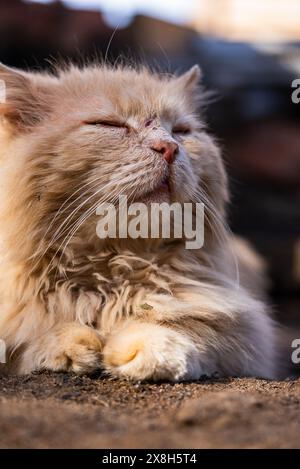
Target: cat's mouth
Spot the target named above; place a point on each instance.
(160, 193)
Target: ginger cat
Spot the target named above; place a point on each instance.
(141, 309)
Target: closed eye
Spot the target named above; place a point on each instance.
(107, 123)
(181, 130)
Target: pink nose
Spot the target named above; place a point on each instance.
(167, 149)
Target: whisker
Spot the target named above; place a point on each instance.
(77, 226)
(60, 210)
(59, 232)
(221, 230)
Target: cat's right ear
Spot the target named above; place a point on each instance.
(189, 81)
(23, 98)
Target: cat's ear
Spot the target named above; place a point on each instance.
(23, 98)
(190, 80)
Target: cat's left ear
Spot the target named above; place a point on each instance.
(190, 80)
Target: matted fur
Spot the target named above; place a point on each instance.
(141, 309)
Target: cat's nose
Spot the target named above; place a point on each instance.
(167, 149)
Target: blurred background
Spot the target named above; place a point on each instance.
(249, 51)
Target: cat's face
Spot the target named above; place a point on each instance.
(91, 135)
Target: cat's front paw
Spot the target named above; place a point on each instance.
(72, 347)
(143, 351)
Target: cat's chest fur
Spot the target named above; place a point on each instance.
(103, 288)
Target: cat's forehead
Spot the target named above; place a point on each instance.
(127, 92)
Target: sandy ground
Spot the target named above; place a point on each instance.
(48, 410)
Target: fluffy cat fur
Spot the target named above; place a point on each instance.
(139, 309)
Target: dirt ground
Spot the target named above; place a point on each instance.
(48, 410)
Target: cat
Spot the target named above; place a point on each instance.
(139, 309)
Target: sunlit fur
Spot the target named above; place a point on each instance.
(140, 309)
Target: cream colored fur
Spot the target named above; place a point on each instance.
(140, 309)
